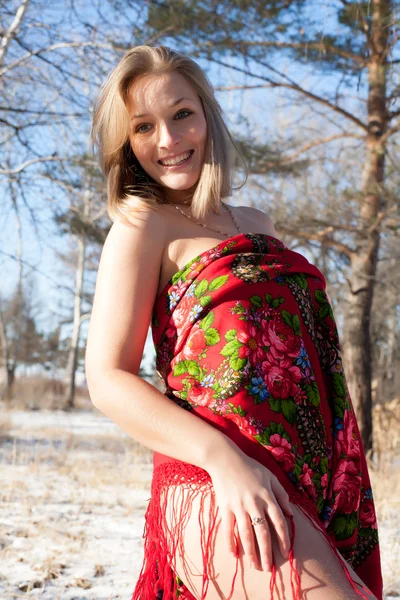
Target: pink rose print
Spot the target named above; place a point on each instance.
(281, 380)
(200, 395)
(306, 481)
(346, 439)
(180, 318)
(367, 514)
(346, 484)
(241, 422)
(198, 266)
(324, 484)
(195, 344)
(281, 450)
(178, 288)
(252, 345)
(282, 340)
(220, 406)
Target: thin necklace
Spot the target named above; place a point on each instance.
(206, 226)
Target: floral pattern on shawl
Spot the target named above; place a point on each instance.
(246, 331)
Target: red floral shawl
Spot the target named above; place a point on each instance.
(245, 338)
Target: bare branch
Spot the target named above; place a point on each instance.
(389, 132)
(320, 236)
(53, 47)
(38, 271)
(313, 144)
(380, 218)
(336, 226)
(28, 163)
(297, 88)
(320, 45)
(13, 29)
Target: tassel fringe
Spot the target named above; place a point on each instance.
(157, 579)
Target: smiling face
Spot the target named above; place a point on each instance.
(168, 131)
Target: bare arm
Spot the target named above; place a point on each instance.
(126, 288)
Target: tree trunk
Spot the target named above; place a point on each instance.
(74, 347)
(357, 331)
(3, 359)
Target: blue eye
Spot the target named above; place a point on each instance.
(184, 111)
(186, 114)
(139, 128)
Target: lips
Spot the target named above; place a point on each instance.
(185, 156)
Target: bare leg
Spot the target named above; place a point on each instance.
(319, 568)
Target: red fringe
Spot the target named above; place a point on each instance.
(157, 578)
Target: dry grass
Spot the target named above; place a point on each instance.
(73, 503)
(43, 393)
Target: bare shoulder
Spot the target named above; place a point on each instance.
(259, 220)
(126, 289)
(144, 220)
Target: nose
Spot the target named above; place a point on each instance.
(168, 137)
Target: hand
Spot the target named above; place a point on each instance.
(244, 489)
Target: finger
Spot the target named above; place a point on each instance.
(283, 498)
(263, 538)
(247, 537)
(228, 528)
(281, 527)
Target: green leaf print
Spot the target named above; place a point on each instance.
(339, 407)
(320, 503)
(256, 301)
(237, 363)
(338, 384)
(313, 394)
(207, 321)
(324, 311)
(287, 317)
(269, 298)
(301, 280)
(230, 348)
(201, 288)
(323, 465)
(344, 525)
(296, 324)
(275, 404)
(316, 479)
(212, 336)
(289, 410)
(278, 428)
(216, 283)
(180, 368)
(365, 532)
(263, 438)
(320, 297)
(230, 335)
(204, 300)
(193, 368)
(298, 468)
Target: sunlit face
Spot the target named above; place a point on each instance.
(168, 131)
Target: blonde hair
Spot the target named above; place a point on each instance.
(126, 180)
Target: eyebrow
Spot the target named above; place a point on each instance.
(171, 105)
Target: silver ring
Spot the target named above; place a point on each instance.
(257, 520)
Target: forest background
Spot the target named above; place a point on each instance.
(310, 91)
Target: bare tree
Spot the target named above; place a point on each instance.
(249, 38)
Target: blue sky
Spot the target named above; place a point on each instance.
(265, 110)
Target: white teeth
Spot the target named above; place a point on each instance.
(175, 161)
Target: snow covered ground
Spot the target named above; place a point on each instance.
(74, 489)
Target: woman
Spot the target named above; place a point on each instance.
(259, 474)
